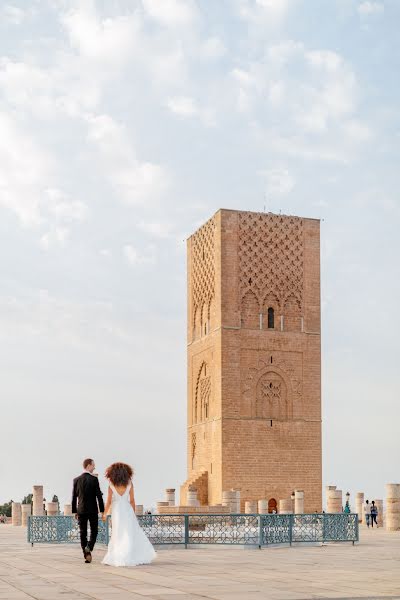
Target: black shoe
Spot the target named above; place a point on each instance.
(87, 554)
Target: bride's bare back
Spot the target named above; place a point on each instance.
(120, 489)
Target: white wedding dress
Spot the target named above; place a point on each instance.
(129, 545)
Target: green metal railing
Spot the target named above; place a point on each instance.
(228, 529)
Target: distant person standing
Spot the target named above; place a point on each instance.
(367, 512)
(374, 513)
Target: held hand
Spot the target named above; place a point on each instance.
(104, 517)
(76, 516)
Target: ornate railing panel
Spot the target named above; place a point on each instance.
(223, 529)
(61, 529)
(276, 529)
(236, 529)
(164, 529)
(308, 528)
(336, 528)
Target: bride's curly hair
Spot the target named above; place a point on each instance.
(119, 473)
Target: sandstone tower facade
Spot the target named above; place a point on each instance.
(254, 358)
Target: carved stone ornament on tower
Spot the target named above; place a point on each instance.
(203, 276)
(271, 267)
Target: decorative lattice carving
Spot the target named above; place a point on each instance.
(271, 261)
(203, 270)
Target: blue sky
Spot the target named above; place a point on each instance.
(123, 126)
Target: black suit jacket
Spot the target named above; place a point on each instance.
(86, 492)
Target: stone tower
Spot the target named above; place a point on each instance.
(254, 358)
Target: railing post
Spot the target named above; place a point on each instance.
(28, 531)
(291, 519)
(357, 531)
(260, 531)
(186, 530)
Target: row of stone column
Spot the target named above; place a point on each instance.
(286, 506)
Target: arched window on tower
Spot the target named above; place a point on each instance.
(271, 318)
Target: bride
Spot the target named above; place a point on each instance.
(129, 545)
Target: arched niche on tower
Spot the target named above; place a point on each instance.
(292, 313)
(270, 305)
(202, 396)
(250, 311)
(272, 396)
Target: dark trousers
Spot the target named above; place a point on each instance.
(373, 518)
(93, 519)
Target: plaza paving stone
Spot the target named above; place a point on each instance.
(368, 570)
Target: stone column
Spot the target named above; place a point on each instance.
(359, 506)
(139, 509)
(16, 514)
(170, 496)
(335, 501)
(26, 511)
(161, 505)
(192, 497)
(229, 500)
(250, 507)
(67, 510)
(379, 506)
(237, 501)
(263, 507)
(392, 506)
(298, 502)
(285, 506)
(52, 509)
(38, 500)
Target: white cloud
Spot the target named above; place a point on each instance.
(359, 132)
(325, 59)
(212, 47)
(156, 229)
(267, 12)
(56, 236)
(25, 173)
(14, 15)
(108, 40)
(313, 92)
(279, 182)
(134, 181)
(281, 53)
(28, 185)
(135, 257)
(171, 13)
(370, 8)
(184, 106)
(63, 208)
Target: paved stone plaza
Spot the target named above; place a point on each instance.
(368, 570)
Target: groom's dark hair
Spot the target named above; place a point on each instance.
(87, 462)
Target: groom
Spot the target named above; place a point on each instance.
(87, 499)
